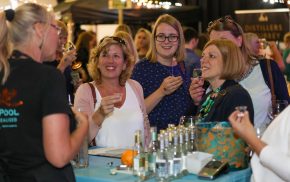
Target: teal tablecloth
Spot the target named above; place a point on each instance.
(98, 171)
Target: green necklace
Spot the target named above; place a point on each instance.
(207, 104)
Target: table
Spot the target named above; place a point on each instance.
(99, 171)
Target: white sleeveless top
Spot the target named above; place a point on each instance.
(119, 127)
(260, 95)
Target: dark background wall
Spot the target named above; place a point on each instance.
(213, 9)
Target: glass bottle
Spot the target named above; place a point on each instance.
(139, 159)
(183, 151)
(153, 147)
(169, 155)
(161, 162)
(177, 156)
(192, 142)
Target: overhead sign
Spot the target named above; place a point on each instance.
(270, 24)
(120, 4)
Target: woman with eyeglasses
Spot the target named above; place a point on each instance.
(36, 142)
(162, 74)
(255, 77)
(64, 58)
(113, 102)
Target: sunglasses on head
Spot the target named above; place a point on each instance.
(117, 39)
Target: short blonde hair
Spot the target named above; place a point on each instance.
(104, 44)
(173, 22)
(233, 61)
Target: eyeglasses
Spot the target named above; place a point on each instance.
(225, 23)
(117, 39)
(170, 38)
(224, 19)
(57, 28)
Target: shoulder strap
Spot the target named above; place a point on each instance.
(93, 92)
(93, 142)
(143, 109)
(273, 96)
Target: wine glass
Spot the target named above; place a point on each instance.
(196, 73)
(188, 120)
(276, 108)
(69, 46)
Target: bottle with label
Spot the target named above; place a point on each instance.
(161, 162)
(139, 159)
(153, 147)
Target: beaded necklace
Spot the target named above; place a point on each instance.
(208, 103)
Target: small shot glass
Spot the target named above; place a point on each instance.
(196, 73)
(242, 110)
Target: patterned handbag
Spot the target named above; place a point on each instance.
(218, 138)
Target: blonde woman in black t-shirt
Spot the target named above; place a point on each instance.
(36, 143)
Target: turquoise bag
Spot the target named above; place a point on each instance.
(219, 139)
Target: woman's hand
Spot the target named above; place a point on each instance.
(242, 125)
(108, 103)
(196, 90)
(80, 116)
(244, 128)
(66, 60)
(170, 84)
(106, 107)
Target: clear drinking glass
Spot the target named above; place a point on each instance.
(188, 120)
(196, 73)
(69, 46)
(242, 110)
(81, 160)
(277, 108)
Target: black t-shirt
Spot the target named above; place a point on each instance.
(32, 91)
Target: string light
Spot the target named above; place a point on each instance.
(154, 4)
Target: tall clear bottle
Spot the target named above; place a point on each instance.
(192, 142)
(152, 153)
(177, 156)
(139, 159)
(161, 162)
(169, 155)
(183, 151)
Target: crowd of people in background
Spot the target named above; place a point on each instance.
(133, 81)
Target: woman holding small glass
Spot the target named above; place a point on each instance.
(162, 74)
(219, 69)
(271, 161)
(113, 102)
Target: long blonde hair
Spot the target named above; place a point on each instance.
(18, 30)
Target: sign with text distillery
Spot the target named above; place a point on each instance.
(270, 24)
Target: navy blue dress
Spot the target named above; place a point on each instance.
(171, 107)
